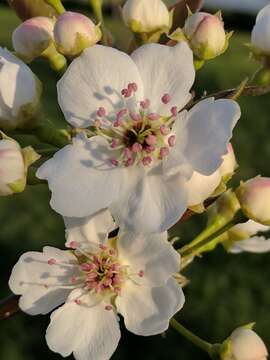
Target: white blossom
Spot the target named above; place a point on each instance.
(95, 280)
(145, 151)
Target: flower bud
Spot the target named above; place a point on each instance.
(146, 16)
(20, 92)
(206, 35)
(73, 32)
(14, 162)
(254, 198)
(33, 37)
(260, 41)
(244, 344)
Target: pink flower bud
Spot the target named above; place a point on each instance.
(206, 35)
(144, 16)
(245, 344)
(73, 32)
(33, 37)
(254, 198)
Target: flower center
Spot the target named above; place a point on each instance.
(102, 271)
(139, 136)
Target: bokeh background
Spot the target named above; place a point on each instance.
(226, 290)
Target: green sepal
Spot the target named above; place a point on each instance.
(17, 186)
(178, 35)
(29, 156)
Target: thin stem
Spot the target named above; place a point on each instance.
(207, 236)
(196, 340)
(97, 10)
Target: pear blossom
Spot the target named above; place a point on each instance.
(145, 150)
(201, 187)
(98, 278)
(31, 38)
(206, 35)
(244, 238)
(260, 40)
(146, 16)
(73, 32)
(245, 344)
(20, 92)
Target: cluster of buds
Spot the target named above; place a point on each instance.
(14, 163)
(70, 34)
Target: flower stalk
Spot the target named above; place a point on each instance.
(196, 340)
(211, 233)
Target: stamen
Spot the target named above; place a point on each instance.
(174, 111)
(78, 301)
(108, 307)
(166, 99)
(145, 104)
(149, 149)
(153, 116)
(132, 87)
(136, 148)
(135, 117)
(141, 273)
(114, 143)
(151, 140)
(164, 151)
(52, 262)
(101, 112)
(147, 160)
(164, 130)
(74, 245)
(172, 140)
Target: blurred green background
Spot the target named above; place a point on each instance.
(225, 291)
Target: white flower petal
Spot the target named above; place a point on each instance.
(18, 85)
(256, 244)
(260, 33)
(81, 177)
(94, 228)
(41, 285)
(201, 187)
(166, 70)
(152, 254)
(95, 79)
(90, 332)
(153, 204)
(146, 310)
(250, 227)
(203, 135)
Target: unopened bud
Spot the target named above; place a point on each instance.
(74, 32)
(206, 35)
(14, 162)
(146, 16)
(254, 198)
(244, 344)
(27, 9)
(20, 92)
(33, 37)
